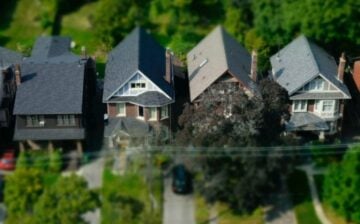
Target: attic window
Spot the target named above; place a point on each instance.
(138, 85)
(203, 63)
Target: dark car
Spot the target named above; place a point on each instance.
(182, 180)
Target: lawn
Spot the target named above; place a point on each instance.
(225, 215)
(126, 199)
(300, 194)
(22, 24)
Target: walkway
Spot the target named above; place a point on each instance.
(280, 209)
(310, 172)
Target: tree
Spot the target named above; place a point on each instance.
(55, 161)
(65, 201)
(342, 186)
(114, 20)
(226, 118)
(22, 190)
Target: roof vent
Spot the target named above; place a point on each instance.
(203, 63)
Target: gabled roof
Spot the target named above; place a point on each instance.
(137, 52)
(50, 85)
(48, 88)
(52, 49)
(300, 62)
(216, 54)
(9, 57)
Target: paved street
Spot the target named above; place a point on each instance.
(178, 209)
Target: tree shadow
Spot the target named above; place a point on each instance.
(7, 10)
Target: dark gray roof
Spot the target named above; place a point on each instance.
(217, 53)
(131, 126)
(137, 52)
(49, 134)
(50, 88)
(300, 62)
(306, 122)
(317, 96)
(9, 57)
(146, 99)
(52, 49)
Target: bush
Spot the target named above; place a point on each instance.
(22, 161)
(55, 161)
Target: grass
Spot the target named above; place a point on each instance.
(300, 193)
(225, 214)
(126, 199)
(23, 27)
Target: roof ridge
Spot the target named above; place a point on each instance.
(314, 61)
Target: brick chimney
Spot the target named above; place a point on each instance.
(253, 72)
(168, 70)
(341, 68)
(17, 75)
(356, 74)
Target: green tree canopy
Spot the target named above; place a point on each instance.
(65, 202)
(342, 186)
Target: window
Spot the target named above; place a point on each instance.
(300, 106)
(120, 109)
(164, 112)
(141, 111)
(328, 106)
(66, 120)
(138, 85)
(35, 121)
(152, 113)
(316, 84)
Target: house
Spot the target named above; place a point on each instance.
(220, 58)
(52, 98)
(8, 60)
(315, 85)
(138, 88)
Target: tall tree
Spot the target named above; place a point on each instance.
(342, 186)
(226, 118)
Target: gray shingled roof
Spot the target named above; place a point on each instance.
(132, 126)
(317, 96)
(219, 52)
(306, 122)
(49, 134)
(9, 57)
(50, 89)
(52, 79)
(300, 62)
(149, 99)
(52, 49)
(137, 52)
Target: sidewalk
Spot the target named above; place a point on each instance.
(310, 172)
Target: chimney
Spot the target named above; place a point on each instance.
(253, 72)
(168, 70)
(83, 52)
(356, 74)
(17, 75)
(341, 68)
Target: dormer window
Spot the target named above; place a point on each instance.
(138, 85)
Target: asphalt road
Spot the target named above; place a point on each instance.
(178, 209)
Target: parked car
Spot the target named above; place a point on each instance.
(7, 160)
(182, 180)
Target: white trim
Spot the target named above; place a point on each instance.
(161, 112)
(127, 80)
(172, 101)
(334, 85)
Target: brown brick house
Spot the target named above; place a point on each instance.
(138, 87)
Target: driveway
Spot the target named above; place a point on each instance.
(178, 209)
